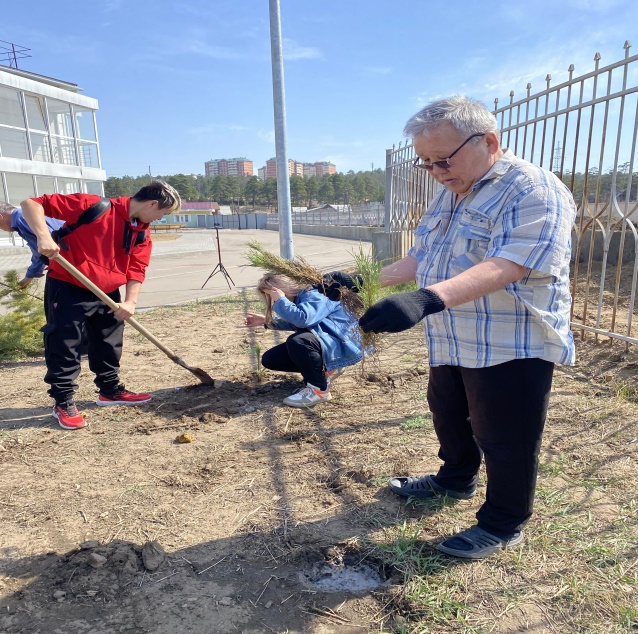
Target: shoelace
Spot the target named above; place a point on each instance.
(69, 409)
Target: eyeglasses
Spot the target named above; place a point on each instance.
(445, 163)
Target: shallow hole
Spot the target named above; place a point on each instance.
(348, 571)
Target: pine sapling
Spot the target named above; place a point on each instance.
(20, 326)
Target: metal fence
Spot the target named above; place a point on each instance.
(585, 131)
(408, 193)
(364, 215)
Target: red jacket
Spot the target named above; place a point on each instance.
(97, 249)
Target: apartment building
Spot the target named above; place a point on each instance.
(301, 169)
(324, 167)
(48, 138)
(229, 167)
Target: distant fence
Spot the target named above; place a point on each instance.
(236, 221)
(364, 215)
(585, 130)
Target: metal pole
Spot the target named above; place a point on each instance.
(286, 249)
(388, 190)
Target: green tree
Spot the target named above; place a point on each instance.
(338, 184)
(312, 190)
(184, 185)
(234, 189)
(270, 191)
(298, 191)
(326, 191)
(254, 188)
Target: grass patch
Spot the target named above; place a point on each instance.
(417, 422)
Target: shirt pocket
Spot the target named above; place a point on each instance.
(472, 239)
(426, 232)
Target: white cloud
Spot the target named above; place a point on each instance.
(293, 51)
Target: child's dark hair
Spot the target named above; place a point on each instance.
(166, 196)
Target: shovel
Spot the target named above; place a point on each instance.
(198, 372)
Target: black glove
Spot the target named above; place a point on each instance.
(401, 311)
(332, 283)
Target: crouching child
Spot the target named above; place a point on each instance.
(324, 342)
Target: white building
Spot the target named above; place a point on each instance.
(48, 138)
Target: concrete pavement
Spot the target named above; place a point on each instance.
(180, 267)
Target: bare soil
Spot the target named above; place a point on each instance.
(122, 528)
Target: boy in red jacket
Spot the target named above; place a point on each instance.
(112, 250)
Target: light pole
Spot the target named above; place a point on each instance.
(284, 208)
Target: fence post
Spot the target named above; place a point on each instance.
(388, 190)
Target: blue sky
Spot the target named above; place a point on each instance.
(179, 83)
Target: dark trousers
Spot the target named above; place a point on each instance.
(496, 413)
(301, 353)
(71, 310)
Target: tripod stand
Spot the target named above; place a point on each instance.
(220, 268)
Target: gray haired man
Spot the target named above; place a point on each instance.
(491, 260)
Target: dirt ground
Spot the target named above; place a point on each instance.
(267, 521)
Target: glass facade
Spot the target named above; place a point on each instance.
(20, 186)
(46, 132)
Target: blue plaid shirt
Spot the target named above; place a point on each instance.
(518, 212)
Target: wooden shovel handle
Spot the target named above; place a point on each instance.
(65, 264)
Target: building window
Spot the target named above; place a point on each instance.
(19, 187)
(88, 154)
(36, 118)
(94, 187)
(63, 151)
(45, 184)
(60, 118)
(13, 143)
(85, 125)
(10, 108)
(40, 147)
(68, 186)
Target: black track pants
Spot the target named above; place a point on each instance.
(70, 310)
(300, 353)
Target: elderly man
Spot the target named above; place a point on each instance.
(491, 259)
(112, 249)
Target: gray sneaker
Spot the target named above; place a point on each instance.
(308, 396)
(333, 374)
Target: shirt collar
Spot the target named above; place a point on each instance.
(499, 168)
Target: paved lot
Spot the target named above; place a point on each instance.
(179, 268)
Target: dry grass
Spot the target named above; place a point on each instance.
(264, 489)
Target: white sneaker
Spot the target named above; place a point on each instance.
(308, 396)
(333, 374)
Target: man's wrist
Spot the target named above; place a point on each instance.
(434, 300)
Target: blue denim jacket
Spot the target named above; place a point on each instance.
(336, 330)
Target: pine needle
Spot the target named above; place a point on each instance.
(370, 292)
(300, 271)
(297, 269)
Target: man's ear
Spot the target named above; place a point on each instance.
(493, 145)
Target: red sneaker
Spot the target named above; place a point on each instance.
(123, 397)
(68, 416)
